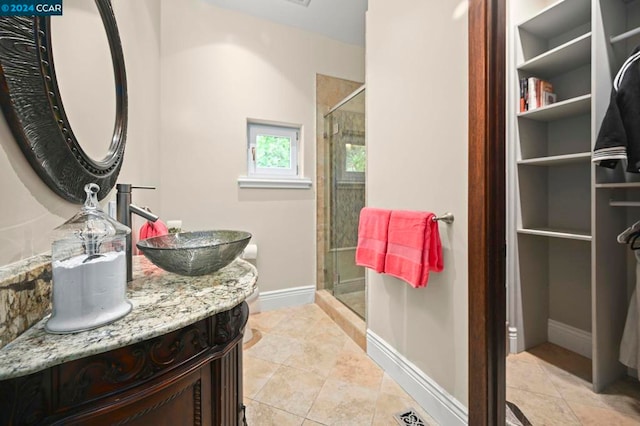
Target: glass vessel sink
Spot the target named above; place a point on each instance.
(195, 253)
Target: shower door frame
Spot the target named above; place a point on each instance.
(487, 248)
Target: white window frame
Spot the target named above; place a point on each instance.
(265, 177)
(292, 133)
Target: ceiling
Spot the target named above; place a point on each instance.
(341, 20)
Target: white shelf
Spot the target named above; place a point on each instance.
(558, 18)
(567, 108)
(563, 58)
(556, 233)
(274, 183)
(618, 185)
(557, 160)
(621, 203)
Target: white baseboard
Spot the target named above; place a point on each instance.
(513, 340)
(286, 298)
(444, 408)
(568, 337)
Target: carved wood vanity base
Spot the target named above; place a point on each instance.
(189, 376)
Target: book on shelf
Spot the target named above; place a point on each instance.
(546, 95)
(535, 93)
(523, 94)
(548, 98)
(532, 101)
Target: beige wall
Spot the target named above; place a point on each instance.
(417, 160)
(29, 209)
(220, 67)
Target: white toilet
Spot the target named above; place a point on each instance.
(250, 254)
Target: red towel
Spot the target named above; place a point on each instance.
(414, 248)
(372, 238)
(152, 229)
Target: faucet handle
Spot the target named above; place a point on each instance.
(127, 187)
(144, 213)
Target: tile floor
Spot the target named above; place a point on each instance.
(552, 386)
(302, 369)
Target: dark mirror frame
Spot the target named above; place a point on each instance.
(32, 105)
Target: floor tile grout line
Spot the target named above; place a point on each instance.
(287, 411)
(573, 412)
(536, 393)
(550, 378)
(278, 409)
(270, 375)
(303, 342)
(306, 416)
(314, 400)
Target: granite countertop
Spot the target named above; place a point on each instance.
(162, 302)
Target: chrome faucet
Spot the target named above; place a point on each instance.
(124, 210)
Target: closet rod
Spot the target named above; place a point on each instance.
(624, 36)
(614, 203)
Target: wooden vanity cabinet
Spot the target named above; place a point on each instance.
(191, 376)
(184, 399)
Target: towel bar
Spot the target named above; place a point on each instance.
(446, 218)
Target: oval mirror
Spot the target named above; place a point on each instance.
(85, 75)
(31, 97)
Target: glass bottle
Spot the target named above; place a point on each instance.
(89, 270)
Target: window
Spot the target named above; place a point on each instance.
(351, 159)
(273, 150)
(273, 155)
(355, 158)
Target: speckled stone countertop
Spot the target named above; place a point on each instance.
(25, 294)
(162, 302)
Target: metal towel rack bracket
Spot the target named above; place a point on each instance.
(446, 218)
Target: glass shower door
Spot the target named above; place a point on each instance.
(346, 175)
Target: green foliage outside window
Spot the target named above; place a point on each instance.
(355, 158)
(273, 151)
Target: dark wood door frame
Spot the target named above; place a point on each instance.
(487, 247)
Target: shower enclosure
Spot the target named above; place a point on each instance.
(345, 194)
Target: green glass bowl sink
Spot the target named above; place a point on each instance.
(195, 253)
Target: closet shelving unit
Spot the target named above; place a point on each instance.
(554, 140)
(570, 275)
